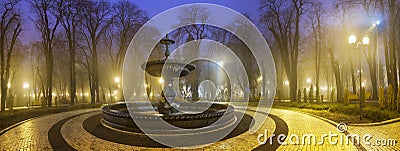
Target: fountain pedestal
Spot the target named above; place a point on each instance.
(213, 116)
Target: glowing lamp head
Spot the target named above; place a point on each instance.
(286, 82)
(117, 80)
(26, 85)
(365, 40)
(352, 39)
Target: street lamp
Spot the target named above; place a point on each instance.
(26, 87)
(117, 80)
(286, 82)
(161, 80)
(361, 45)
(308, 80)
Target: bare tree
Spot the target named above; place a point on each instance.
(129, 18)
(10, 26)
(97, 20)
(71, 17)
(190, 16)
(282, 19)
(317, 23)
(46, 23)
(390, 12)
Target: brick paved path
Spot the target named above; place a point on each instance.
(33, 134)
(300, 124)
(381, 133)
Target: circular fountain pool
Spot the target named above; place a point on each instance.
(117, 116)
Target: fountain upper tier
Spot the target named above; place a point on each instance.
(174, 69)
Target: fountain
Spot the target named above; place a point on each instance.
(117, 116)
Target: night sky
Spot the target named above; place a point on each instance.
(152, 8)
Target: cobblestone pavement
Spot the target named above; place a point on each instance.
(380, 136)
(300, 125)
(74, 133)
(33, 134)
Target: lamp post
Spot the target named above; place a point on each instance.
(361, 45)
(376, 24)
(117, 81)
(286, 83)
(26, 87)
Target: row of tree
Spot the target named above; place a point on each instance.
(298, 29)
(74, 37)
(81, 39)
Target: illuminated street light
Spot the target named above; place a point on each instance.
(360, 45)
(365, 40)
(8, 85)
(286, 82)
(352, 39)
(25, 85)
(117, 80)
(376, 23)
(259, 79)
(161, 80)
(308, 80)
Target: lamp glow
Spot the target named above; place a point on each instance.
(365, 40)
(117, 80)
(25, 85)
(308, 80)
(286, 82)
(352, 39)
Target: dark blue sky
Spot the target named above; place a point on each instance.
(154, 7)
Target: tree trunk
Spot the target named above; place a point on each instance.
(49, 77)
(353, 79)
(72, 72)
(371, 60)
(95, 81)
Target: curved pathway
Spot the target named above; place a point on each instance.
(32, 135)
(379, 135)
(66, 131)
(301, 125)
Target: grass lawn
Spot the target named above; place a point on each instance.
(8, 118)
(340, 113)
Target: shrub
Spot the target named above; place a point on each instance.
(305, 95)
(350, 109)
(317, 97)
(311, 95)
(398, 100)
(332, 95)
(362, 97)
(382, 100)
(346, 97)
(370, 112)
(390, 97)
(298, 96)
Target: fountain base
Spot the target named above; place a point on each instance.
(117, 116)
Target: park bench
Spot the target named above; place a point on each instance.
(355, 96)
(36, 103)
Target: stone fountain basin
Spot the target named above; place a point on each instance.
(117, 116)
(156, 67)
